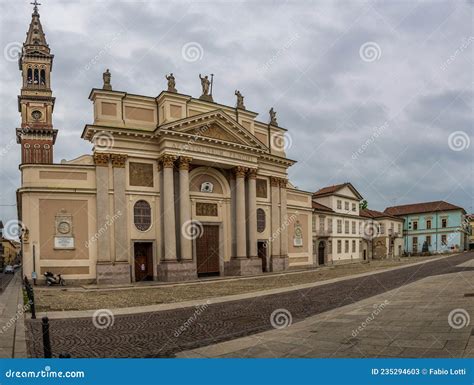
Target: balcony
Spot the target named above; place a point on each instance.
(322, 232)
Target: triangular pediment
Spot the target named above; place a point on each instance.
(215, 125)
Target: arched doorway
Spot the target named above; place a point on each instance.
(321, 250)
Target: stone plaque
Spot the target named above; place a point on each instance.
(63, 242)
(298, 238)
(141, 174)
(206, 209)
(262, 188)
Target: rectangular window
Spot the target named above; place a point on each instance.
(353, 246)
(400, 228)
(321, 224)
(339, 247)
(330, 225)
(428, 224)
(415, 225)
(339, 204)
(314, 222)
(339, 226)
(428, 240)
(444, 240)
(354, 207)
(444, 223)
(382, 228)
(346, 246)
(353, 227)
(346, 227)
(346, 205)
(415, 244)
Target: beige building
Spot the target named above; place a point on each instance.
(382, 234)
(336, 224)
(176, 187)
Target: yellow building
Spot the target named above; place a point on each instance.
(176, 188)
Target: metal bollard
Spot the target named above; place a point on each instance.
(46, 341)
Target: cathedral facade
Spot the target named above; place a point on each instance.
(176, 187)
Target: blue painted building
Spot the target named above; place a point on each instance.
(436, 227)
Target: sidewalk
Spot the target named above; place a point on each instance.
(12, 326)
(430, 318)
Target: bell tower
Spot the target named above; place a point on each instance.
(35, 102)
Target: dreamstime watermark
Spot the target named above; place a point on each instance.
(370, 229)
(192, 51)
(466, 42)
(106, 48)
(281, 142)
(6, 149)
(45, 373)
(377, 309)
(109, 220)
(370, 51)
(289, 220)
(103, 140)
(12, 51)
(187, 324)
(192, 229)
(459, 141)
(281, 318)
(377, 132)
(13, 229)
(197, 134)
(22, 309)
(103, 319)
(459, 318)
(279, 53)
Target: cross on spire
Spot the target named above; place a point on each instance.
(35, 3)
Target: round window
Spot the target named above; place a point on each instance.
(142, 215)
(36, 115)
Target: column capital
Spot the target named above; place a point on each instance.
(252, 173)
(184, 162)
(101, 159)
(283, 182)
(240, 171)
(167, 160)
(118, 160)
(274, 181)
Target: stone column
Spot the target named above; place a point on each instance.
(169, 223)
(275, 236)
(184, 208)
(240, 212)
(122, 247)
(252, 212)
(102, 181)
(283, 219)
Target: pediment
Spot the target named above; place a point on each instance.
(215, 125)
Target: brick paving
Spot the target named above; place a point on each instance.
(165, 333)
(70, 299)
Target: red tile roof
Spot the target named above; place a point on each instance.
(319, 206)
(367, 213)
(334, 188)
(417, 208)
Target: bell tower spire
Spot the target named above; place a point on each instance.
(35, 102)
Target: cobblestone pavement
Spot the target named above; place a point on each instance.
(429, 318)
(165, 333)
(54, 299)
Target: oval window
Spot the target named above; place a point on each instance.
(142, 215)
(260, 220)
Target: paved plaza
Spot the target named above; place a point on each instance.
(415, 319)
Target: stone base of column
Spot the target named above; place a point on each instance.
(175, 271)
(244, 266)
(278, 262)
(113, 273)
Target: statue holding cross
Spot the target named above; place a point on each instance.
(35, 8)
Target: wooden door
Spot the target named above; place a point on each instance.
(143, 261)
(262, 254)
(321, 253)
(207, 250)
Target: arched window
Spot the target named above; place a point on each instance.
(36, 77)
(261, 220)
(43, 77)
(29, 76)
(142, 215)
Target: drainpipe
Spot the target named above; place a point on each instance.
(437, 230)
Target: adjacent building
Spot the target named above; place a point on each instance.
(336, 224)
(9, 250)
(433, 227)
(382, 234)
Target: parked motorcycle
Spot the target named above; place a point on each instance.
(51, 279)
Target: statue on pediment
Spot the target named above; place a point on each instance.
(273, 120)
(240, 100)
(171, 83)
(106, 77)
(205, 84)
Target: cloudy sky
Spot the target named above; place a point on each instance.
(378, 93)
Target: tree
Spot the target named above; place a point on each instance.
(363, 205)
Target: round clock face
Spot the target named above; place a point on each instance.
(36, 115)
(64, 227)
